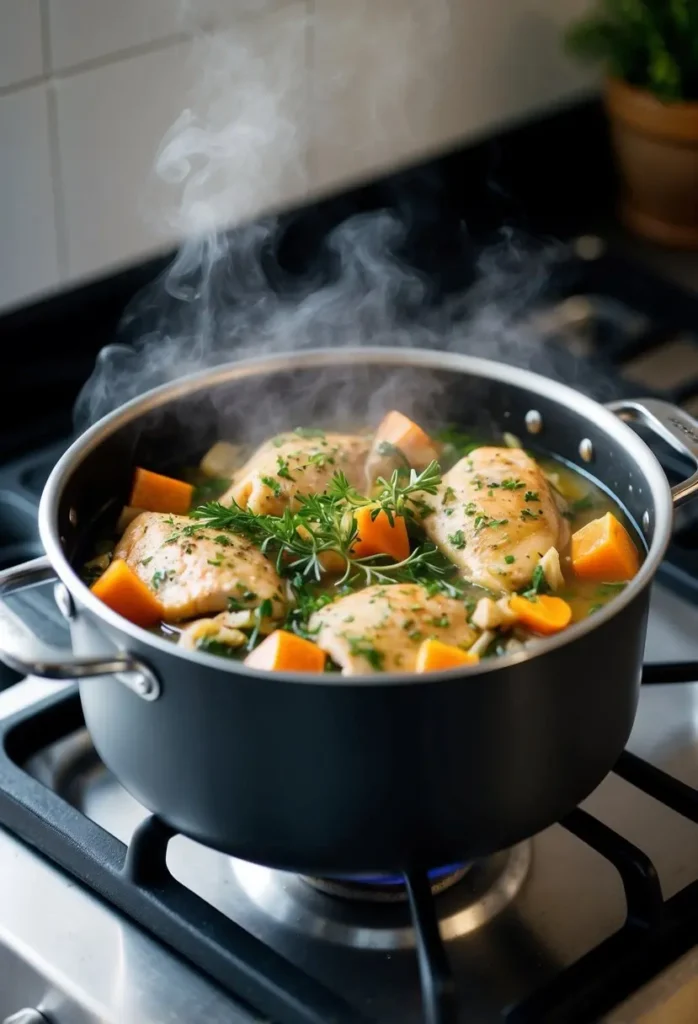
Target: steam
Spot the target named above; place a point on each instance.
(226, 295)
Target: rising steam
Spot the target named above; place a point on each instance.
(232, 154)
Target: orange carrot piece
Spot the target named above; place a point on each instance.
(604, 551)
(433, 655)
(124, 592)
(156, 493)
(285, 652)
(414, 443)
(379, 536)
(545, 615)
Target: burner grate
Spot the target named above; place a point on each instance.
(137, 881)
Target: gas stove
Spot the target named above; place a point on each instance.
(105, 916)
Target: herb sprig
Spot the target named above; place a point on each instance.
(324, 523)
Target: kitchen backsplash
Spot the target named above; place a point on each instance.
(277, 100)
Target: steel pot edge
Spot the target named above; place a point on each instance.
(617, 430)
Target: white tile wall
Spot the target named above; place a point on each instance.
(21, 54)
(82, 31)
(111, 121)
(28, 260)
(301, 95)
(428, 74)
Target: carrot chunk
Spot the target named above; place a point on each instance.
(156, 493)
(285, 652)
(378, 536)
(545, 614)
(604, 551)
(434, 655)
(122, 591)
(415, 444)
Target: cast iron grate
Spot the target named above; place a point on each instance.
(136, 881)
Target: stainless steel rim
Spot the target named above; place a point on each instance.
(537, 385)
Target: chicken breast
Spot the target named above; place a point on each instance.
(495, 517)
(196, 570)
(293, 464)
(380, 628)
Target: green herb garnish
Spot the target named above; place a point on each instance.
(283, 470)
(361, 648)
(273, 485)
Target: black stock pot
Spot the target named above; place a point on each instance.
(329, 775)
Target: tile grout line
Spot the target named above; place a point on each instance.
(108, 60)
(45, 22)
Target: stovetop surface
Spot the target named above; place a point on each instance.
(545, 905)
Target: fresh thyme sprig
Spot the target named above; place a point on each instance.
(324, 523)
(396, 496)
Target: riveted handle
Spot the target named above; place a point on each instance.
(674, 426)
(24, 652)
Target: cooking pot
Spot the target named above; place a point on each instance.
(329, 775)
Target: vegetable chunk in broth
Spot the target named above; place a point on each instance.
(397, 551)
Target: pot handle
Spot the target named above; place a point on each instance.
(24, 652)
(674, 426)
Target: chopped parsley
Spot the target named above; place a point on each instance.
(509, 559)
(483, 522)
(263, 612)
(457, 539)
(160, 577)
(526, 513)
(449, 496)
(512, 485)
(273, 485)
(539, 584)
(210, 645)
(531, 496)
(283, 470)
(359, 647)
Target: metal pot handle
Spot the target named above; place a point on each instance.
(24, 652)
(674, 426)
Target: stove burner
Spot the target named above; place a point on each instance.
(471, 896)
(385, 889)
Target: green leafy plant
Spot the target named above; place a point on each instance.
(651, 44)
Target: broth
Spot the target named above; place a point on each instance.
(578, 499)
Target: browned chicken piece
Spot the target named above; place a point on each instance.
(495, 517)
(196, 570)
(294, 464)
(380, 628)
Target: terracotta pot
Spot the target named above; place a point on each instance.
(656, 146)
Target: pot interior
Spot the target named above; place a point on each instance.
(174, 431)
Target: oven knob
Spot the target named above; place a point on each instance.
(27, 1017)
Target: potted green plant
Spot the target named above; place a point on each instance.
(649, 50)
